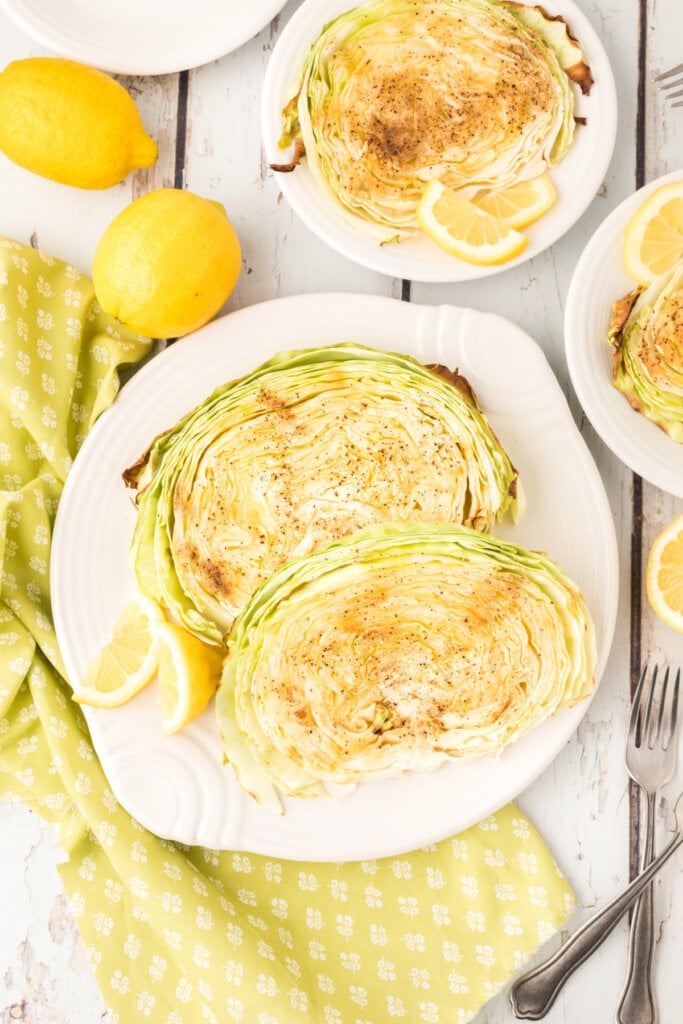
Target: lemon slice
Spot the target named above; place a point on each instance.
(464, 230)
(189, 672)
(654, 234)
(664, 579)
(520, 204)
(128, 661)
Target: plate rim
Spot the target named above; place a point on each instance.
(586, 376)
(447, 269)
(374, 846)
(27, 19)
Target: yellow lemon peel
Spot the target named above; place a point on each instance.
(71, 123)
(167, 263)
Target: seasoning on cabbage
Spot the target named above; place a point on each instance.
(398, 649)
(309, 447)
(646, 331)
(394, 93)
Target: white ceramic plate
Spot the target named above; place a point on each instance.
(177, 786)
(599, 279)
(577, 177)
(132, 38)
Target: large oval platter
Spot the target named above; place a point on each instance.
(178, 786)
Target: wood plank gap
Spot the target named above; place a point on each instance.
(181, 130)
(180, 141)
(636, 654)
(636, 659)
(641, 95)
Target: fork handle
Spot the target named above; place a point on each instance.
(534, 993)
(637, 1002)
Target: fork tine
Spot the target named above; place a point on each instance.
(669, 73)
(670, 85)
(673, 710)
(654, 717)
(646, 733)
(634, 725)
(657, 732)
(674, 95)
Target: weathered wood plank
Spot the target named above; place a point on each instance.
(44, 972)
(45, 976)
(225, 160)
(581, 802)
(663, 152)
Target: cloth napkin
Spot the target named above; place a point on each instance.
(176, 934)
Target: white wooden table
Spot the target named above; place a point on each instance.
(206, 123)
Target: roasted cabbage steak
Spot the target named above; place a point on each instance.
(478, 94)
(399, 648)
(310, 447)
(647, 334)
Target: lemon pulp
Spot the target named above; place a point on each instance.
(466, 231)
(664, 578)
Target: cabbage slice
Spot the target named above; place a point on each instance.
(308, 448)
(647, 334)
(395, 93)
(400, 648)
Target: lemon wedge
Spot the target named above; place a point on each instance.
(128, 661)
(520, 204)
(466, 231)
(664, 578)
(654, 235)
(189, 673)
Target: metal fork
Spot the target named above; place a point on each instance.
(650, 739)
(534, 993)
(671, 79)
(650, 759)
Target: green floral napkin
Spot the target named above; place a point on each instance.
(179, 935)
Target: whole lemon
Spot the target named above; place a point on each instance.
(71, 123)
(167, 263)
